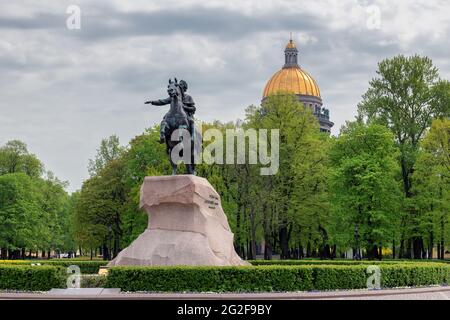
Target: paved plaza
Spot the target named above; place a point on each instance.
(428, 293)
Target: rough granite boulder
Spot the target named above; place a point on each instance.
(187, 226)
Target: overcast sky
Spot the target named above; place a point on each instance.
(63, 90)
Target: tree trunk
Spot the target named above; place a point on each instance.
(284, 242)
(301, 250)
(15, 254)
(402, 249)
(372, 250)
(249, 250)
(356, 253)
(117, 235)
(237, 241)
(393, 248)
(416, 241)
(417, 247)
(105, 252)
(267, 234)
(308, 249)
(325, 248)
(252, 234)
(334, 252)
(442, 244)
(408, 250)
(430, 245)
(116, 245)
(267, 250)
(356, 250)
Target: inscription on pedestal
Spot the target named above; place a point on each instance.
(212, 202)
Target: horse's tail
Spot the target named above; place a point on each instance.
(197, 139)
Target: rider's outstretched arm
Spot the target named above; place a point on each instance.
(161, 102)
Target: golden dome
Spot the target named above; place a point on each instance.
(290, 45)
(293, 80)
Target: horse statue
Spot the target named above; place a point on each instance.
(176, 119)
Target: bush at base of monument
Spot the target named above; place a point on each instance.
(206, 279)
(273, 278)
(86, 266)
(31, 278)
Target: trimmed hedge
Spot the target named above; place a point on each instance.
(330, 262)
(419, 274)
(93, 281)
(28, 278)
(329, 277)
(272, 278)
(86, 267)
(203, 279)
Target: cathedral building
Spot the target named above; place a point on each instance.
(293, 79)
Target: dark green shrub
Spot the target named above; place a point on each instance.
(28, 278)
(325, 262)
(93, 281)
(418, 274)
(333, 277)
(218, 279)
(86, 267)
(273, 278)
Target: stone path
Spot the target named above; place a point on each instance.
(427, 293)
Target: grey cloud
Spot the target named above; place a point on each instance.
(105, 22)
(36, 21)
(73, 87)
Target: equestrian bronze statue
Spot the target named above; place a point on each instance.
(179, 116)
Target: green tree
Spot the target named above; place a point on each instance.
(145, 156)
(14, 157)
(54, 214)
(231, 181)
(107, 213)
(406, 96)
(99, 209)
(296, 192)
(35, 202)
(88, 232)
(20, 213)
(365, 193)
(432, 186)
(109, 150)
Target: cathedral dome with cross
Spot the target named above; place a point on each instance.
(293, 79)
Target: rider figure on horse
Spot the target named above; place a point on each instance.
(188, 106)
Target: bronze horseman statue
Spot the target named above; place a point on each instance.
(179, 116)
